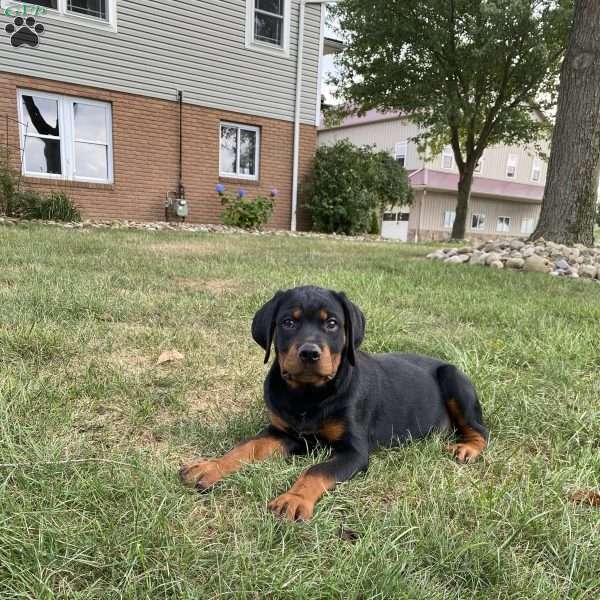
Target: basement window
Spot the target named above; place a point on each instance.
(503, 224)
(478, 222)
(65, 138)
(239, 151)
(448, 218)
(527, 225)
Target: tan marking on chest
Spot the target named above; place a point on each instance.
(332, 430)
(278, 422)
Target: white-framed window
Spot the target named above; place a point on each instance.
(447, 157)
(94, 13)
(512, 163)
(527, 225)
(239, 152)
(448, 218)
(63, 137)
(503, 224)
(479, 165)
(400, 152)
(268, 25)
(478, 221)
(536, 170)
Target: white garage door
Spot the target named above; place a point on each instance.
(395, 225)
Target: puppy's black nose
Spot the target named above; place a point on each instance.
(309, 353)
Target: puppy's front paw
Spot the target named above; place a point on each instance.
(292, 507)
(201, 474)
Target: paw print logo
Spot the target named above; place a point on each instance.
(24, 32)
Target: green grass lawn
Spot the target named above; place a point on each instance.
(84, 317)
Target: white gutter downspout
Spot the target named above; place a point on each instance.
(297, 108)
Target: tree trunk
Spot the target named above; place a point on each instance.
(569, 206)
(465, 181)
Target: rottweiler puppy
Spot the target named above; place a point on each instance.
(322, 389)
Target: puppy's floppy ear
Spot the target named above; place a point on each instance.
(263, 324)
(354, 324)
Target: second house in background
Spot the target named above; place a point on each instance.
(507, 188)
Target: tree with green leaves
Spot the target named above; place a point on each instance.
(471, 73)
(570, 197)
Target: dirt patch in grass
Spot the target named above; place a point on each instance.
(215, 286)
(187, 247)
(131, 362)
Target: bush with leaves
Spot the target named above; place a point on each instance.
(28, 204)
(349, 184)
(241, 211)
(55, 207)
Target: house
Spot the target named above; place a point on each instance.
(507, 188)
(122, 104)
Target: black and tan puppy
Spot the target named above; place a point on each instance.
(322, 389)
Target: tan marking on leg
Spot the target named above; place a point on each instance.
(332, 430)
(298, 503)
(472, 443)
(205, 473)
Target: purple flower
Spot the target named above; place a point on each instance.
(241, 193)
(274, 192)
(220, 188)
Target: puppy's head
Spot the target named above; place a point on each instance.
(313, 330)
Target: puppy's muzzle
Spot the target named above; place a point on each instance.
(309, 353)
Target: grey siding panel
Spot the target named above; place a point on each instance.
(161, 47)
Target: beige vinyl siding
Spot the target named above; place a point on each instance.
(161, 47)
(384, 135)
(436, 203)
(495, 161)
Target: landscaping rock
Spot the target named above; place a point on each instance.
(458, 258)
(535, 264)
(492, 257)
(557, 260)
(515, 263)
(589, 271)
(478, 258)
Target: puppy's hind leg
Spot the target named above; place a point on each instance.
(464, 410)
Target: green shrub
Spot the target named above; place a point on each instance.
(8, 184)
(349, 184)
(374, 224)
(55, 207)
(28, 204)
(243, 212)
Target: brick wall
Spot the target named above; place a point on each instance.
(145, 156)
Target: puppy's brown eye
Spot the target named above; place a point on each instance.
(288, 323)
(331, 325)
